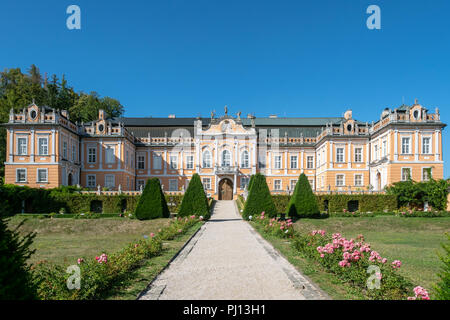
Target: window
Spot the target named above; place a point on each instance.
(173, 185)
(406, 174)
(22, 146)
(277, 184)
(109, 181)
(375, 154)
(358, 180)
(384, 148)
(42, 175)
(74, 152)
(206, 159)
(92, 154)
(190, 162)
(206, 183)
(293, 183)
(340, 155)
(340, 180)
(405, 146)
(358, 154)
(226, 158)
(43, 146)
(109, 154)
(311, 183)
(426, 174)
(140, 184)
(173, 162)
(21, 175)
(277, 162)
(127, 158)
(426, 145)
(65, 150)
(244, 182)
(294, 162)
(141, 162)
(91, 181)
(309, 162)
(157, 161)
(245, 159)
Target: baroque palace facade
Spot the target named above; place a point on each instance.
(45, 149)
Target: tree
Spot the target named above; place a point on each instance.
(194, 200)
(303, 202)
(152, 203)
(16, 282)
(442, 288)
(259, 198)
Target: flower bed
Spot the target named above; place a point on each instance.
(408, 213)
(98, 275)
(351, 260)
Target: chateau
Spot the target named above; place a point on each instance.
(45, 149)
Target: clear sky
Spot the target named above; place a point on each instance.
(290, 58)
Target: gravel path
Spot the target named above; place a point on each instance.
(228, 260)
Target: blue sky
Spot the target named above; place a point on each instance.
(290, 58)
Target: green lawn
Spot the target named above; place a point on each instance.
(414, 241)
(64, 240)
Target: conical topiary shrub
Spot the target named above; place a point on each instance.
(152, 203)
(194, 200)
(259, 198)
(303, 202)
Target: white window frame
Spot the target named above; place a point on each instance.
(362, 180)
(93, 155)
(46, 175)
(242, 180)
(245, 159)
(74, 152)
(275, 185)
(19, 137)
(140, 182)
(110, 158)
(140, 161)
(42, 146)
(190, 162)
(343, 180)
(408, 145)
(206, 159)
(65, 146)
(429, 144)
(294, 163)
(176, 184)
(206, 183)
(87, 180)
(423, 173)
(226, 158)
(402, 176)
(358, 155)
(338, 160)
(157, 161)
(277, 161)
(384, 148)
(309, 164)
(291, 182)
(173, 162)
(113, 180)
(26, 175)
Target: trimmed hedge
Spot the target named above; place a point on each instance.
(53, 200)
(259, 199)
(303, 203)
(195, 201)
(152, 203)
(339, 202)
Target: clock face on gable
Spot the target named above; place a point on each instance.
(225, 126)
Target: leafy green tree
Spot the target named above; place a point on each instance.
(442, 288)
(194, 200)
(259, 198)
(152, 203)
(303, 202)
(16, 282)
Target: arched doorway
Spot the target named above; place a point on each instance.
(378, 181)
(69, 179)
(225, 189)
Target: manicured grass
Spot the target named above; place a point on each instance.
(63, 241)
(414, 241)
(141, 278)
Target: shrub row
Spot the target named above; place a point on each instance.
(340, 202)
(101, 274)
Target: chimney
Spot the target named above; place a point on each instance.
(172, 116)
(101, 114)
(65, 114)
(272, 116)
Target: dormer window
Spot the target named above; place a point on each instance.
(33, 114)
(349, 127)
(416, 114)
(101, 127)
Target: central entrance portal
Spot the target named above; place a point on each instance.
(225, 189)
